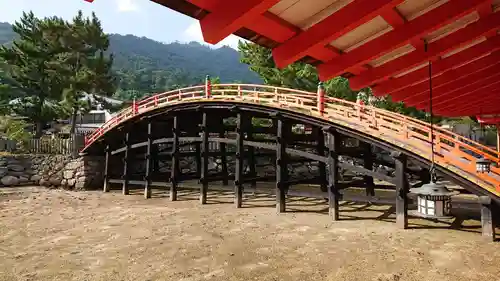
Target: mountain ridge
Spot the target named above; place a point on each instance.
(143, 65)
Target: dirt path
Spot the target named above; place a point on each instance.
(60, 235)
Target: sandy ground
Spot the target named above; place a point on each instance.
(61, 235)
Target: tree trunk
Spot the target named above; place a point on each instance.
(73, 122)
(39, 122)
(39, 128)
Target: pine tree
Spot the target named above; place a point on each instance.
(27, 61)
(82, 65)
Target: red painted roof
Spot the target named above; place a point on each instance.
(376, 43)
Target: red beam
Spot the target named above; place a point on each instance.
(486, 97)
(475, 111)
(393, 17)
(444, 89)
(400, 36)
(422, 88)
(438, 67)
(228, 16)
(332, 27)
(485, 85)
(459, 105)
(272, 27)
(435, 49)
(489, 120)
(485, 9)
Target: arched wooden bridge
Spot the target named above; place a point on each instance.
(159, 128)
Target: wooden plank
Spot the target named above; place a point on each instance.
(174, 172)
(487, 220)
(368, 164)
(204, 159)
(401, 191)
(238, 180)
(149, 160)
(251, 154)
(281, 165)
(106, 169)
(223, 155)
(333, 145)
(126, 164)
(320, 149)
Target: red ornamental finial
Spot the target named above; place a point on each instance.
(90, 1)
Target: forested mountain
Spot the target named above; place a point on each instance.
(142, 65)
(6, 33)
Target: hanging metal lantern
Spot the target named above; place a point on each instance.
(434, 200)
(483, 165)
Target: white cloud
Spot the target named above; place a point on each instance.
(193, 33)
(127, 5)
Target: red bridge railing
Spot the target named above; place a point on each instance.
(453, 151)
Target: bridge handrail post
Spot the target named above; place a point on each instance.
(321, 99)
(240, 94)
(208, 87)
(405, 128)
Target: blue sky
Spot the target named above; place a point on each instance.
(137, 17)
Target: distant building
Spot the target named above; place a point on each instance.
(85, 123)
(95, 118)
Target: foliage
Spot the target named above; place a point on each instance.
(142, 66)
(14, 129)
(304, 77)
(81, 64)
(27, 61)
(53, 63)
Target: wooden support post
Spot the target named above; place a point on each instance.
(401, 190)
(368, 164)
(223, 155)
(281, 164)
(126, 164)
(321, 99)
(204, 159)
(487, 217)
(149, 162)
(498, 140)
(251, 154)
(333, 145)
(320, 149)
(174, 170)
(106, 169)
(238, 180)
(197, 146)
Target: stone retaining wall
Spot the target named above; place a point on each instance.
(52, 171)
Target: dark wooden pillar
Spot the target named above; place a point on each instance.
(204, 158)
(106, 169)
(487, 217)
(238, 180)
(251, 154)
(368, 164)
(320, 149)
(126, 165)
(174, 169)
(401, 190)
(149, 162)
(223, 155)
(197, 147)
(333, 145)
(281, 164)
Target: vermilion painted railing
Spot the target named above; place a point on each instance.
(453, 151)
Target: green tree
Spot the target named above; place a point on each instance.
(27, 62)
(82, 65)
(303, 76)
